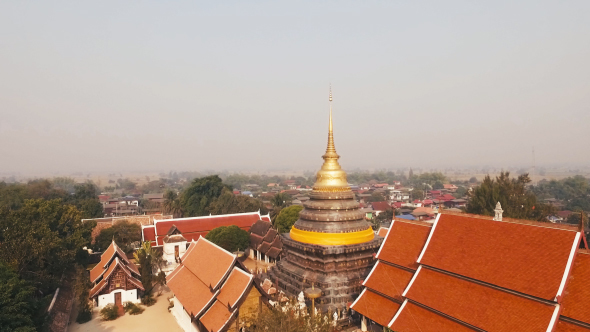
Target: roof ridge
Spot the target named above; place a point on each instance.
(210, 216)
(516, 221)
(415, 222)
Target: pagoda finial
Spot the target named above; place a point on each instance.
(331, 150)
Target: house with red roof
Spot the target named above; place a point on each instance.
(212, 290)
(474, 273)
(379, 207)
(115, 279)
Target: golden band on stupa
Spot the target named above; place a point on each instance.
(332, 216)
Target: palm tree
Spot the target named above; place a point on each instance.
(172, 204)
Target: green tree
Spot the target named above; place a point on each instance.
(281, 200)
(417, 194)
(276, 319)
(287, 218)
(460, 192)
(148, 260)
(195, 199)
(516, 200)
(376, 197)
(438, 185)
(82, 290)
(42, 240)
(172, 204)
(385, 216)
(231, 238)
(229, 203)
(123, 232)
(473, 179)
(17, 302)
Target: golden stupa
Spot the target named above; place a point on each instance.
(332, 216)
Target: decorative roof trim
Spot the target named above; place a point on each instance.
(554, 318)
(93, 292)
(568, 266)
(372, 270)
(429, 237)
(207, 305)
(399, 311)
(385, 239)
(412, 281)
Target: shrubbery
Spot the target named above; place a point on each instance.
(109, 312)
(132, 309)
(148, 300)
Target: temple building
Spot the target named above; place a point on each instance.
(476, 273)
(212, 290)
(265, 242)
(115, 279)
(194, 227)
(331, 245)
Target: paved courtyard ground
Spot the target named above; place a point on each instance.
(154, 318)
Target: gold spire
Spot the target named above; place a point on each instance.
(331, 177)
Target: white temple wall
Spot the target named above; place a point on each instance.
(126, 296)
(168, 251)
(183, 319)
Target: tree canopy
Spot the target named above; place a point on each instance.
(573, 191)
(195, 199)
(228, 203)
(287, 218)
(516, 200)
(123, 232)
(42, 239)
(231, 238)
(16, 302)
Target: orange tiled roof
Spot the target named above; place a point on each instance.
(382, 231)
(528, 258)
(194, 295)
(234, 287)
(377, 307)
(106, 258)
(576, 298)
(388, 280)
(412, 318)
(211, 264)
(482, 306)
(563, 326)
(404, 242)
(217, 317)
(207, 281)
(207, 223)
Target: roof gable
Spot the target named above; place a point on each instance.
(530, 259)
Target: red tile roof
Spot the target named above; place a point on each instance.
(207, 223)
(412, 318)
(106, 258)
(149, 233)
(528, 258)
(576, 298)
(234, 287)
(192, 293)
(563, 326)
(478, 305)
(377, 307)
(403, 244)
(209, 262)
(382, 231)
(217, 317)
(381, 206)
(388, 280)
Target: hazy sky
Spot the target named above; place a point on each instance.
(187, 85)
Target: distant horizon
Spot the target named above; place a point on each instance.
(111, 86)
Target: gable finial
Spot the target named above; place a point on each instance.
(498, 212)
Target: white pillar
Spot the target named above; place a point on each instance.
(363, 324)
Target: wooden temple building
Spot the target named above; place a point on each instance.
(265, 242)
(331, 246)
(212, 290)
(475, 273)
(115, 279)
